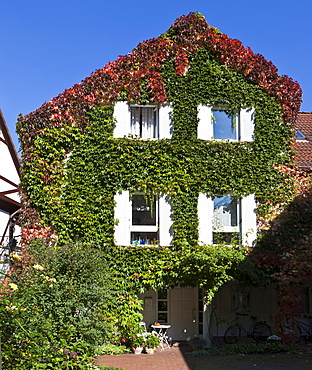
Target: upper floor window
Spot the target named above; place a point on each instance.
(144, 122)
(142, 220)
(216, 124)
(227, 219)
(224, 126)
(226, 216)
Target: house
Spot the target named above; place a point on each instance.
(9, 191)
(303, 145)
(172, 148)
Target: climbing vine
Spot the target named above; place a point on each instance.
(73, 166)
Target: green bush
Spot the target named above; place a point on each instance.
(55, 308)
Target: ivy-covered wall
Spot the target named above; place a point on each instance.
(73, 166)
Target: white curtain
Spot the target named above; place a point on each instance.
(143, 122)
(148, 124)
(135, 120)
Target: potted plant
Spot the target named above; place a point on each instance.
(137, 343)
(133, 337)
(151, 342)
(197, 343)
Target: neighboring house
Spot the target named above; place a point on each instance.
(303, 145)
(185, 148)
(9, 191)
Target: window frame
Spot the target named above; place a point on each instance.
(233, 117)
(228, 229)
(165, 312)
(144, 228)
(143, 133)
(245, 126)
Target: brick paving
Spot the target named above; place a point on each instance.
(174, 358)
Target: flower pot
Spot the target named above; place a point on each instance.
(150, 351)
(137, 350)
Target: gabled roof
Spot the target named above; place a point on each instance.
(9, 171)
(303, 148)
(143, 65)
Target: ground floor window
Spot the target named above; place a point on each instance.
(306, 301)
(200, 312)
(162, 306)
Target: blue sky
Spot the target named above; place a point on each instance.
(49, 45)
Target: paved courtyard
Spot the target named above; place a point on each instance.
(177, 358)
(174, 358)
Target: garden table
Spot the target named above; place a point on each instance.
(161, 332)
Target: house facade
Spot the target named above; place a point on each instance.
(9, 192)
(171, 148)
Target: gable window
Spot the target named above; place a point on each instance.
(226, 216)
(216, 124)
(144, 122)
(144, 224)
(224, 127)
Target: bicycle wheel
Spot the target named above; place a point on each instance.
(261, 332)
(297, 333)
(232, 334)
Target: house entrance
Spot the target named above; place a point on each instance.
(183, 313)
(177, 307)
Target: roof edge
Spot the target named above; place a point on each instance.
(9, 142)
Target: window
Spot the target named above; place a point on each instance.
(226, 217)
(224, 127)
(144, 216)
(141, 220)
(200, 312)
(306, 299)
(216, 124)
(299, 135)
(144, 122)
(162, 306)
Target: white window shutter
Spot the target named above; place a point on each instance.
(122, 214)
(248, 220)
(205, 127)
(123, 117)
(247, 124)
(205, 219)
(165, 221)
(165, 122)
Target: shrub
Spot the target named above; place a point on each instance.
(54, 308)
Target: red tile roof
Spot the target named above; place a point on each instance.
(303, 148)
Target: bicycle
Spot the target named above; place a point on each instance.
(300, 327)
(259, 331)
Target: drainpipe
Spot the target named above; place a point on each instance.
(12, 240)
